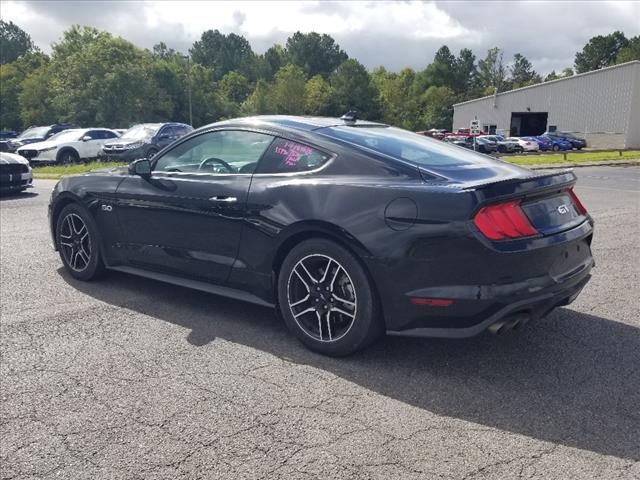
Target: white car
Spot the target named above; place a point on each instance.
(527, 145)
(68, 146)
(15, 173)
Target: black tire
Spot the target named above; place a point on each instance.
(346, 282)
(519, 149)
(556, 148)
(151, 153)
(71, 242)
(67, 157)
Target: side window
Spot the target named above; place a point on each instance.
(94, 134)
(166, 131)
(285, 156)
(106, 134)
(229, 151)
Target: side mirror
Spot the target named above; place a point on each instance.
(141, 167)
(86, 138)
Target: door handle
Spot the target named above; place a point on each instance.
(223, 199)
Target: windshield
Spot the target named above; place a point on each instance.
(34, 132)
(406, 145)
(67, 136)
(141, 132)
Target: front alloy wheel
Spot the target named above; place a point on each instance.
(75, 242)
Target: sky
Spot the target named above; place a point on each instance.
(392, 34)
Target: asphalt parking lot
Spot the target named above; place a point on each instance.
(127, 378)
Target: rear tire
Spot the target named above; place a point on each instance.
(327, 300)
(77, 243)
(151, 153)
(556, 148)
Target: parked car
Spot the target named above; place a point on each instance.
(5, 136)
(68, 146)
(437, 133)
(144, 141)
(525, 145)
(555, 144)
(351, 228)
(502, 145)
(576, 142)
(36, 134)
(15, 173)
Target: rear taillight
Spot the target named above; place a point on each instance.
(576, 201)
(504, 221)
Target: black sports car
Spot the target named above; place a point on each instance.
(351, 228)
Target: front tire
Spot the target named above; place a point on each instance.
(327, 299)
(151, 153)
(67, 157)
(77, 242)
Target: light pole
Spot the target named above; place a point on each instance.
(189, 88)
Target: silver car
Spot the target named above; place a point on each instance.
(15, 173)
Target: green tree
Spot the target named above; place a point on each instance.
(275, 58)
(160, 50)
(12, 81)
(398, 102)
(224, 53)
(353, 90)
(442, 72)
(630, 52)
(260, 101)
(438, 111)
(235, 87)
(522, 72)
(316, 54)
(492, 72)
(288, 91)
(14, 42)
(600, 51)
(466, 75)
(318, 96)
(36, 98)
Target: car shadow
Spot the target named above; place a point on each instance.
(572, 378)
(17, 195)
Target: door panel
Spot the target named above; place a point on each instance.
(187, 216)
(176, 222)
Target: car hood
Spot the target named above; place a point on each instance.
(121, 141)
(6, 158)
(44, 144)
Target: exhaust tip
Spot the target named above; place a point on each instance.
(510, 323)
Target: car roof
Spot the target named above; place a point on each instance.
(290, 121)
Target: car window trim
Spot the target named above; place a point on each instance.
(271, 133)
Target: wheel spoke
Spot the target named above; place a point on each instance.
(328, 319)
(295, 304)
(84, 256)
(319, 324)
(344, 300)
(69, 225)
(308, 310)
(339, 310)
(335, 275)
(326, 270)
(311, 277)
(64, 244)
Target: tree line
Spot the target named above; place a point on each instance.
(92, 78)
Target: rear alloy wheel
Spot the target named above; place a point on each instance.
(77, 242)
(556, 148)
(67, 157)
(326, 299)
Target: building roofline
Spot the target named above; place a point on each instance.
(549, 82)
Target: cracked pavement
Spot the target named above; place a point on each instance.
(128, 378)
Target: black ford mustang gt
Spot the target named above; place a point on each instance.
(350, 228)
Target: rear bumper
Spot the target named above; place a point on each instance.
(519, 310)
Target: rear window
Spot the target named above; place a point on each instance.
(405, 145)
(284, 156)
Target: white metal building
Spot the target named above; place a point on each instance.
(602, 106)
